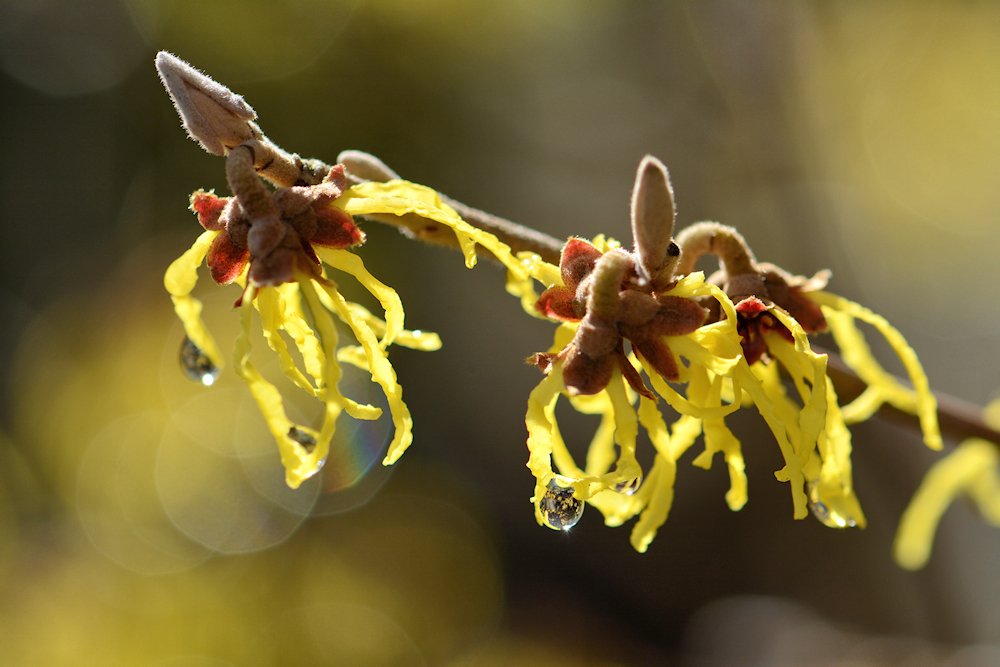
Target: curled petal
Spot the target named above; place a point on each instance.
(577, 261)
(970, 469)
(225, 260)
(558, 303)
(882, 387)
(180, 279)
(382, 373)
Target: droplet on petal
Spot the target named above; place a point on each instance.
(559, 509)
(196, 364)
(827, 512)
(628, 486)
(303, 437)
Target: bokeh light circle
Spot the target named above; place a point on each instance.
(209, 498)
(117, 501)
(67, 47)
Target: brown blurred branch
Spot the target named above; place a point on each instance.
(958, 419)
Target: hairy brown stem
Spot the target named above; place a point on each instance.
(726, 243)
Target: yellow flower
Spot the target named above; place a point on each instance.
(304, 309)
(275, 244)
(604, 295)
(776, 313)
(973, 469)
(760, 320)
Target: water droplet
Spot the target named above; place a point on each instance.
(417, 333)
(829, 510)
(560, 510)
(629, 486)
(303, 437)
(196, 364)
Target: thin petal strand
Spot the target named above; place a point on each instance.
(180, 279)
(972, 467)
(382, 373)
(919, 400)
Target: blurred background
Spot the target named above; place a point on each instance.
(142, 517)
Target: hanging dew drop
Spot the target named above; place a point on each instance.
(303, 437)
(827, 510)
(307, 439)
(628, 486)
(196, 364)
(559, 509)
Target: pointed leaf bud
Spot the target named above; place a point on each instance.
(653, 215)
(213, 115)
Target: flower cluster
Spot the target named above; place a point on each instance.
(634, 327)
(726, 340)
(288, 286)
(277, 244)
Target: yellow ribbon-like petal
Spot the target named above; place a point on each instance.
(382, 372)
(182, 274)
(399, 197)
(658, 489)
(972, 469)
(840, 314)
(180, 279)
(299, 463)
(350, 263)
